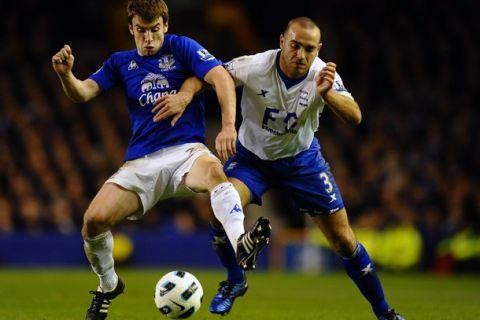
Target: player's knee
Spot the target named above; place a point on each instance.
(95, 222)
(344, 244)
(214, 173)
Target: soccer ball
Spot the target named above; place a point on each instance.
(178, 294)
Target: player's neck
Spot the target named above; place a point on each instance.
(288, 80)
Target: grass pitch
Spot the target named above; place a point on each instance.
(63, 294)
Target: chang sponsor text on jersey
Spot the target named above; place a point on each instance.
(150, 87)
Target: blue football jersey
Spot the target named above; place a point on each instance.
(145, 79)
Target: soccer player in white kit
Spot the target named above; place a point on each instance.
(166, 156)
(284, 93)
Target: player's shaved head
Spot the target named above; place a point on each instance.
(305, 23)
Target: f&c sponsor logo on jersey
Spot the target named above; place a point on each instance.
(150, 86)
(279, 122)
(205, 55)
(166, 62)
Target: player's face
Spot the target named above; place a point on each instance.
(299, 48)
(148, 36)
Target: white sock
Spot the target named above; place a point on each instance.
(227, 207)
(99, 252)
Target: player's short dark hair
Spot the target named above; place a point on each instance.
(304, 22)
(148, 10)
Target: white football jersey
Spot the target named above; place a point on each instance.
(277, 122)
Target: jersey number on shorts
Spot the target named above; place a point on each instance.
(326, 182)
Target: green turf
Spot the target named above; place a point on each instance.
(63, 294)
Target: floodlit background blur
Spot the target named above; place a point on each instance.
(409, 174)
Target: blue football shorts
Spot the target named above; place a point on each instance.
(306, 178)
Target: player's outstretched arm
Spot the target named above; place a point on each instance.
(222, 82)
(344, 107)
(75, 89)
(174, 105)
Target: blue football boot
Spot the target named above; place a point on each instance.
(222, 303)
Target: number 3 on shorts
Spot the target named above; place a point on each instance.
(326, 182)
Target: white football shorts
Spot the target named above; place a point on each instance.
(159, 175)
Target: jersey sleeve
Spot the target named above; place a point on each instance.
(194, 56)
(107, 76)
(339, 87)
(239, 69)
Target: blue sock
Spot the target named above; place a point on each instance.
(362, 271)
(227, 256)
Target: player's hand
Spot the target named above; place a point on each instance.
(62, 61)
(225, 142)
(172, 105)
(325, 78)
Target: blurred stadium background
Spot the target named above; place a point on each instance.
(409, 174)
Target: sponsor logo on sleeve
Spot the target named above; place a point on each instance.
(205, 55)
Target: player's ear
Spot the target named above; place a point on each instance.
(319, 47)
(166, 26)
(130, 28)
(282, 40)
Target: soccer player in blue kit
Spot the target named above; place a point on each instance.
(284, 93)
(166, 156)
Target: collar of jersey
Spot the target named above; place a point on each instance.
(289, 82)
